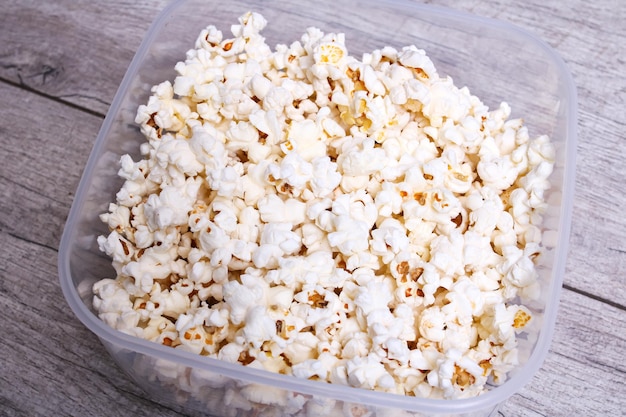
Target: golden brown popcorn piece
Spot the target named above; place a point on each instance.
(245, 358)
(462, 378)
(317, 300)
(520, 319)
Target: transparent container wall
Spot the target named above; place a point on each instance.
(205, 392)
(495, 61)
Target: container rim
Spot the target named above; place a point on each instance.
(370, 398)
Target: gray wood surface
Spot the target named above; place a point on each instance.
(60, 65)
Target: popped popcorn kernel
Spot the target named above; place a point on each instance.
(521, 318)
(462, 378)
(358, 221)
(330, 53)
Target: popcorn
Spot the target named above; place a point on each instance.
(240, 297)
(362, 222)
(114, 306)
(258, 327)
(117, 247)
(368, 372)
(432, 324)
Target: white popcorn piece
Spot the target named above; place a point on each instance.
(417, 59)
(368, 372)
(302, 347)
(509, 319)
(457, 375)
(178, 153)
(446, 101)
(259, 326)
(193, 340)
(234, 400)
(156, 327)
(274, 209)
(163, 112)
(240, 297)
(281, 236)
(373, 296)
(171, 303)
(321, 367)
(389, 236)
(117, 247)
(171, 206)
(397, 350)
(432, 324)
(320, 406)
(362, 160)
(357, 345)
(263, 394)
(325, 177)
(114, 307)
(330, 50)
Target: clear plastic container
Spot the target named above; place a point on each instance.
(497, 61)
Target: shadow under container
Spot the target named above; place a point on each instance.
(495, 60)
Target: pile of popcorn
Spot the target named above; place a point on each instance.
(360, 222)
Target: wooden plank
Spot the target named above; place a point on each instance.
(55, 366)
(76, 51)
(41, 163)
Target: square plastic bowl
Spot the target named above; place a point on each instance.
(498, 62)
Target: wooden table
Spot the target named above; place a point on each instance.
(60, 65)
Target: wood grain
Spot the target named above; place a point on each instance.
(41, 164)
(75, 51)
(55, 365)
(60, 65)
